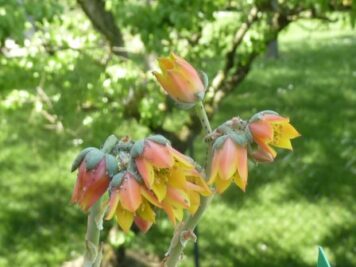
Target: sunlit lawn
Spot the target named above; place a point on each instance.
(307, 198)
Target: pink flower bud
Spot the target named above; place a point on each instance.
(180, 80)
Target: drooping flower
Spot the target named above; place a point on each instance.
(94, 173)
(131, 202)
(229, 163)
(270, 129)
(180, 80)
(171, 176)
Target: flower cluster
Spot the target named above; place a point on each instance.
(140, 177)
(236, 140)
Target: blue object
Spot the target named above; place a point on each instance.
(322, 260)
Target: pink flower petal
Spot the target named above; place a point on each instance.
(130, 194)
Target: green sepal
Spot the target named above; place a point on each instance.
(248, 135)
(260, 114)
(204, 78)
(239, 139)
(111, 164)
(160, 139)
(79, 158)
(200, 95)
(93, 157)
(225, 129)
(133, 170)
(218, 143)
(322, 260)
(137, 148)
(117, 179)
(110, 143)
(183, 105)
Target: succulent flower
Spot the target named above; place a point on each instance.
(229, 163)
(95, 170)
(180, 80)
(270, 129)
(170, 175)
(131, 202)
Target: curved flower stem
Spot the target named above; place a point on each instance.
(186, 229)
(92, 256)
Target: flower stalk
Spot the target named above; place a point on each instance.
(92, 256)
(184, 232)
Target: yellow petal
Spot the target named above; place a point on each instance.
(150, 197)
(146, 212)
(124, 218)
(242, 165)
(160, 189)
(178, 213)
(222, 185)
(289, 131)
(177, 178)
(240, 182)
(165, 63)
(182, 159)
(214, 167)
(282, 143)
(194, 202)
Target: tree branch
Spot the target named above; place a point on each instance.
(104, 22)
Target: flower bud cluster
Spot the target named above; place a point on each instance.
(141, 177)
(237, 140)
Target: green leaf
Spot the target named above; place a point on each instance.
(322, 260)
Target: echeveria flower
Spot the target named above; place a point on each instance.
(90, 185)
(95, 170)
(229, 164)
(272, 130)
(171, 176)
(180, 80)
(131, 202)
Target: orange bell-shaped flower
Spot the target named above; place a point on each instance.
(131, 202)
(180, 80)
(90, 185)
(272, 130)
(229, 164)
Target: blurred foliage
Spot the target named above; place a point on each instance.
(62, 87)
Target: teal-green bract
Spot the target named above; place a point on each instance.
(322, 260)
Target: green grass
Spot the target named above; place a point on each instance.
(305, 199)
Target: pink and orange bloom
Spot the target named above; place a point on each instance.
(272, 130)
(229, 163)
(90, 185)
(131, 202)
(180, 80)
(172, 177)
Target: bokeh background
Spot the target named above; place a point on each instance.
(73, 72)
